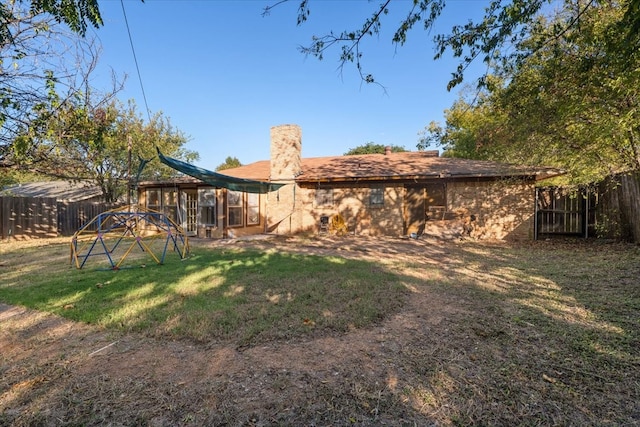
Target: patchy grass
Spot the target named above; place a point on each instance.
(544, 334)
(541, 333)
(215, 294)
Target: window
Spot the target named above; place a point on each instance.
(376, 196)
(207, 202)
(163, 200)
(170, 205)
(253, 209)
(154, 199)
(235, 209)
(243, 208)
(324, 196)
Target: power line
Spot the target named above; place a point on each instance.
(135, 59)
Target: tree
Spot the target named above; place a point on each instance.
(472, 127)
(229, 163)
(38, 57)
(505, 24)
(573, 103)
(77, 14)
(101, 141)
(53, 123)
(373, 148)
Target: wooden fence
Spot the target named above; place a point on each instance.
(41, 217)
(618, 208)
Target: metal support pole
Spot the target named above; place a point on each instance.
(128, 170)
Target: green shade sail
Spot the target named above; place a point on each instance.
(218, 179)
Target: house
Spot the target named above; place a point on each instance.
(396, 194)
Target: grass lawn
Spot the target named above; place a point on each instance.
(366, 333)
(244, 296)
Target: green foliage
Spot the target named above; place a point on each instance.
(373, 148)
(12, 177)
(505, 25)
(469, 132)
(573, 102)
(72, 139)
(55, 125)
(229, 163)
(36, 69)
(77, 14)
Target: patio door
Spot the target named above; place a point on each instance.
(190, 212)
(414, 210)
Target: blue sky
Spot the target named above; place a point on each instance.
(224, 74)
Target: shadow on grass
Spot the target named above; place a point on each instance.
(541, 333)
(535, 334)
(243, 296)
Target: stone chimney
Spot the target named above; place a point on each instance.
(286, 147)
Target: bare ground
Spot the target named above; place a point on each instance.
(448, 358)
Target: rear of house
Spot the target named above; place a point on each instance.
(391, 194)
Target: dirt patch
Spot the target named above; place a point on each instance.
(448, 358)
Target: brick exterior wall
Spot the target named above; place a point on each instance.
(284, 210)
(353, 204)
(500, 210)
(478, 208)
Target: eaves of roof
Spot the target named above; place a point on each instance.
(406, 166)
(392, 167)
(170, 181)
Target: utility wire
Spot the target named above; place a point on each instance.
(135, 59)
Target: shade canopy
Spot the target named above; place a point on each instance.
(217, 179)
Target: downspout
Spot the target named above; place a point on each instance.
(293, 208)
(266, 214)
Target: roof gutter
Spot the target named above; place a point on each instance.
(533, 176)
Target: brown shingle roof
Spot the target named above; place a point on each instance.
(393, 166)
(259, 171)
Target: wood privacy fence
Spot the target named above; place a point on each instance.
(618, 207)
(41, 217)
